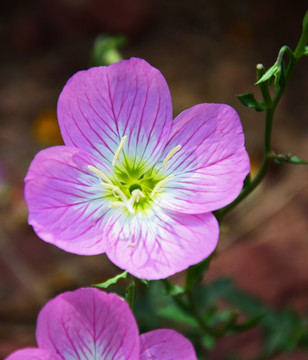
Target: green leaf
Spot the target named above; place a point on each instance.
(145, 282)
(283, 331)
(172, 289)
(248, 99)
(247, 325)
(246, 303)
(111, 281)
(213, 318)
(208, 341)
(175, 314)
(208, 295)
(296, 160)
(288, 158)
(268, 74)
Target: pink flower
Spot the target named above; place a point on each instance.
(88, 324)
(130, 181)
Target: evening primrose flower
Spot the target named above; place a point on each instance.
(130, 181)
(88, 324)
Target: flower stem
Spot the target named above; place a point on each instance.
(130, 292)
(194, 311)
(302, 44)
(271, 105)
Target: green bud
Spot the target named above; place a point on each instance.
(272, 71)
(288, 158)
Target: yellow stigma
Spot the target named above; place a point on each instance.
(169, 156)
(119, 150)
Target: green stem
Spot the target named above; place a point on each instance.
(271, 105)
(195, 313)
(300, 49)
(260, 71)
(130, 292)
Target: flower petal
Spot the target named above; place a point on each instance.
(33, 354)
(159, 244)
(65, 201)
(164, 344)
(88, 324)
(99, 106)
(212, 163)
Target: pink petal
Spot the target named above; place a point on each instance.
(159, 244)
(88, 324)
(33, 354)
(212, 163)
(65, 201)
(166, 344)
(99, 106)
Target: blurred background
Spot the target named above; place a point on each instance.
(207, 51)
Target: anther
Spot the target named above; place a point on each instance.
(119, 150)
(169, 156)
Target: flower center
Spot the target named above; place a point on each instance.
(129, 186)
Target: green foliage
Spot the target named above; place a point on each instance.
(283, 331)
(288, 158)
(220, 305)
(112, 281)
(248, 99)
(177, 315)
(172, 289)
(269, 74)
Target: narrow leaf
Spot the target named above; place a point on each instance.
(244, 326)
(176, 315)
(268, 74)
(288, 158)
(248, 99)
(112, 281)
(172, 289)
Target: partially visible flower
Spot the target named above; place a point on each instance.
(88, 324)
(131, 181)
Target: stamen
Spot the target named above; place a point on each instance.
(116, 204)
(117, 190)
(114, 194)
(119, 150)
(136, 195)
(161, 184)
(100, 173)
(134, 198)
(169, 156)
(129, 204)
